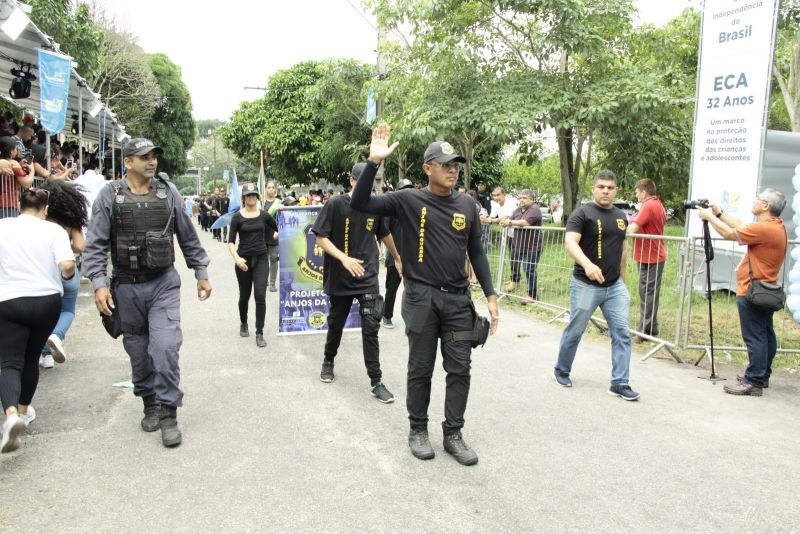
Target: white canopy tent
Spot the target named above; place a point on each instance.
(99, 121)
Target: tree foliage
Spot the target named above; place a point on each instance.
(171, 125)
(786, 68)
(72, 26)
(310, 123)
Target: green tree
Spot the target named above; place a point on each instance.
(171, 125)
(786, 67)
(204, 125)
(72, 27)
(281, 123)
(563, 61)
(543, 176)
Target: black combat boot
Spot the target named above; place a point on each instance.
(151, 421)
(260, 342)
(243, 330)
(170, 435)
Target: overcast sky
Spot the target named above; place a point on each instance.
(222, 47)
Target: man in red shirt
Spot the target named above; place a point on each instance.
(767, 242)
(650, 254)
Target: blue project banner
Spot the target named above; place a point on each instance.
(303, 305)
(54, 75)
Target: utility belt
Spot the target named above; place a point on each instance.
(136, 278)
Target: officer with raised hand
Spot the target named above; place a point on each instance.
(136, 218)
(438, 226)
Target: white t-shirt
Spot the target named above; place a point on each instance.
(506, 210)
(30, 251)
(91, 183)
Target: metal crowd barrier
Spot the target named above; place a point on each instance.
(681, 323)
(9, 195)
(727, 332)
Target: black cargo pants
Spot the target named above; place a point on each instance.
(430, 314)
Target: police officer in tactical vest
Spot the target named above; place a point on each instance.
(136, 218)
(438, 228)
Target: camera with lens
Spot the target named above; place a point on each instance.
(694, 204)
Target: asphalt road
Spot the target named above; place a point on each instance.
(268, 447)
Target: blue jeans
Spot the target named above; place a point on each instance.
(68, 302)
(615, 303)
(759, 336)
(529, 260)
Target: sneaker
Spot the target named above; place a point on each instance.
(741, 380)
(12, 428)
(273, 289)
(458, 448)
(624, 391)
(56, 348)
(326, 375)
(562, 379)
(28, 418)
(46, 361)
(511, 287)
(260, 343)
(387, 323)
(743, 388)
(420, 444)
(244, 331)
(380, 392)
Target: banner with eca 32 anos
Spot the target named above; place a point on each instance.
(733, 84)
(303, 305)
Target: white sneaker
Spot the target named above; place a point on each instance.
(46, 361)
(56, 348)
(28, 418)
(12, 428)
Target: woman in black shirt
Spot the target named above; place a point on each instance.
(252, 225)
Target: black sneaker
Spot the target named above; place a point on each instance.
(562, 379)
(380, 392)
(624, 391)
(243, 330)
(456, 446)
(387, 323)
(260, 340)
(327, 372)
(420, 445)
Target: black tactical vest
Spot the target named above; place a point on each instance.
(142, 229)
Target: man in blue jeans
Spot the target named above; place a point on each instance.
(595, 239)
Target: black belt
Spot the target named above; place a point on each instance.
(139, 278)
(447, 289)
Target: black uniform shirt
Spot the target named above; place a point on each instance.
(253, 233)
(602, 237)
(352, 232)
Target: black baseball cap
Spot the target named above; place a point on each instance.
(139, 147)
(358, 168)
(442, 152)
(250, 189)
(403, 184)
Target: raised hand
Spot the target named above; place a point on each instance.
(379, 148)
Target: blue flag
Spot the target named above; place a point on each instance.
(54, 74)
(236, 197)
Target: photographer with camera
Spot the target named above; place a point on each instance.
(136, 219)
(767, 241)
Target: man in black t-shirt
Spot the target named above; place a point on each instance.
(595, 238)
(350, 271)
(438, 227)
(394, 271)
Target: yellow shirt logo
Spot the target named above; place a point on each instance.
(459, 221)
(370, 223)
(621, 224)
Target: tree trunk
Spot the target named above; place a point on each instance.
(401, 165)
(569, 185)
